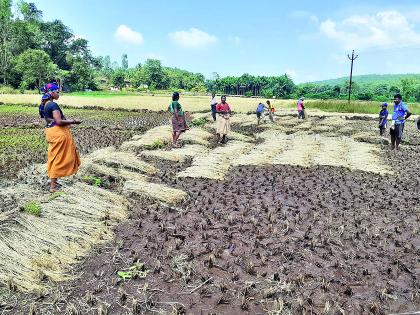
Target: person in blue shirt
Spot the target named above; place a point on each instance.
(400, 114)
(383, 118)
(260, 111)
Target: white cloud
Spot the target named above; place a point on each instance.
(126, 35)
(385, 30)
(193, 38)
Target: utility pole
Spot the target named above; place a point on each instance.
(352, 58)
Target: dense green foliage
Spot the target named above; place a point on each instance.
(364, 88)
(33, 51)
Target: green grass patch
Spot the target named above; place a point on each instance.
(92, 180)
(138, 270)
(199, 122)
(157, 144)
(353, 107)
(32, 208)
(55, 195)
(103, 94)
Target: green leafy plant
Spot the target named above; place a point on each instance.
(157, 144)
(199, 122)
(92, 180)
(56, 195)
(138, 270)
(33, 208)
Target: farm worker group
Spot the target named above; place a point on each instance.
(64, 159)
(221, 113)
(265, 110)
(399, 116)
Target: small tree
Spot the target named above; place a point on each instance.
(118, 79)
(35, 66)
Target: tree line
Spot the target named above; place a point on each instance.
(34, 51)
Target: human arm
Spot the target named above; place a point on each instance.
(63, 122)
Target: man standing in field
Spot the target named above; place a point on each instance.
(213, 104)
(400, 114)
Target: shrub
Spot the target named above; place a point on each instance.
(33, 208)
(248, 94)
(268, 93)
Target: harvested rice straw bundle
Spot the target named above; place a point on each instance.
(301, 152)
(332, 151)
(265, 152)
(239, 137)
(91, 168)
(161, 135)
(216, 164)
(37, 247)
(333, 121)
(196, 136)
(154, 191)
(122, 159)
(177, 154)
(365, 157)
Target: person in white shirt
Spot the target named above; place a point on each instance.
(213, 104)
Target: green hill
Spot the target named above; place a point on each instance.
(390, 79)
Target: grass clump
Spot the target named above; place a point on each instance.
(33, 208)
(157, 144)
(138, 270)
(92, 180)
(199, 122)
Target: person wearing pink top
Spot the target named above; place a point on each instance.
(301, 108)
(223, 119)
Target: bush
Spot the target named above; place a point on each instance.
(248, 94)
(33, 208)
(6, 89)
(267, 93)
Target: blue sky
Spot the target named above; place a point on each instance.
(307, 39)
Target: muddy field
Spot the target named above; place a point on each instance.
(288, 225)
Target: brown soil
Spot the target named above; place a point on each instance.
(319, 240)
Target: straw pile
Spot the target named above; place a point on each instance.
(299, 152)
(176, 155)
(90, 168)
(274, 143)
(161, 135)
(155, 191)
(196, 136)
(35, 249)
(128, 160)
(216, 164)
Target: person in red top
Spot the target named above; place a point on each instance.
(223, 119)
